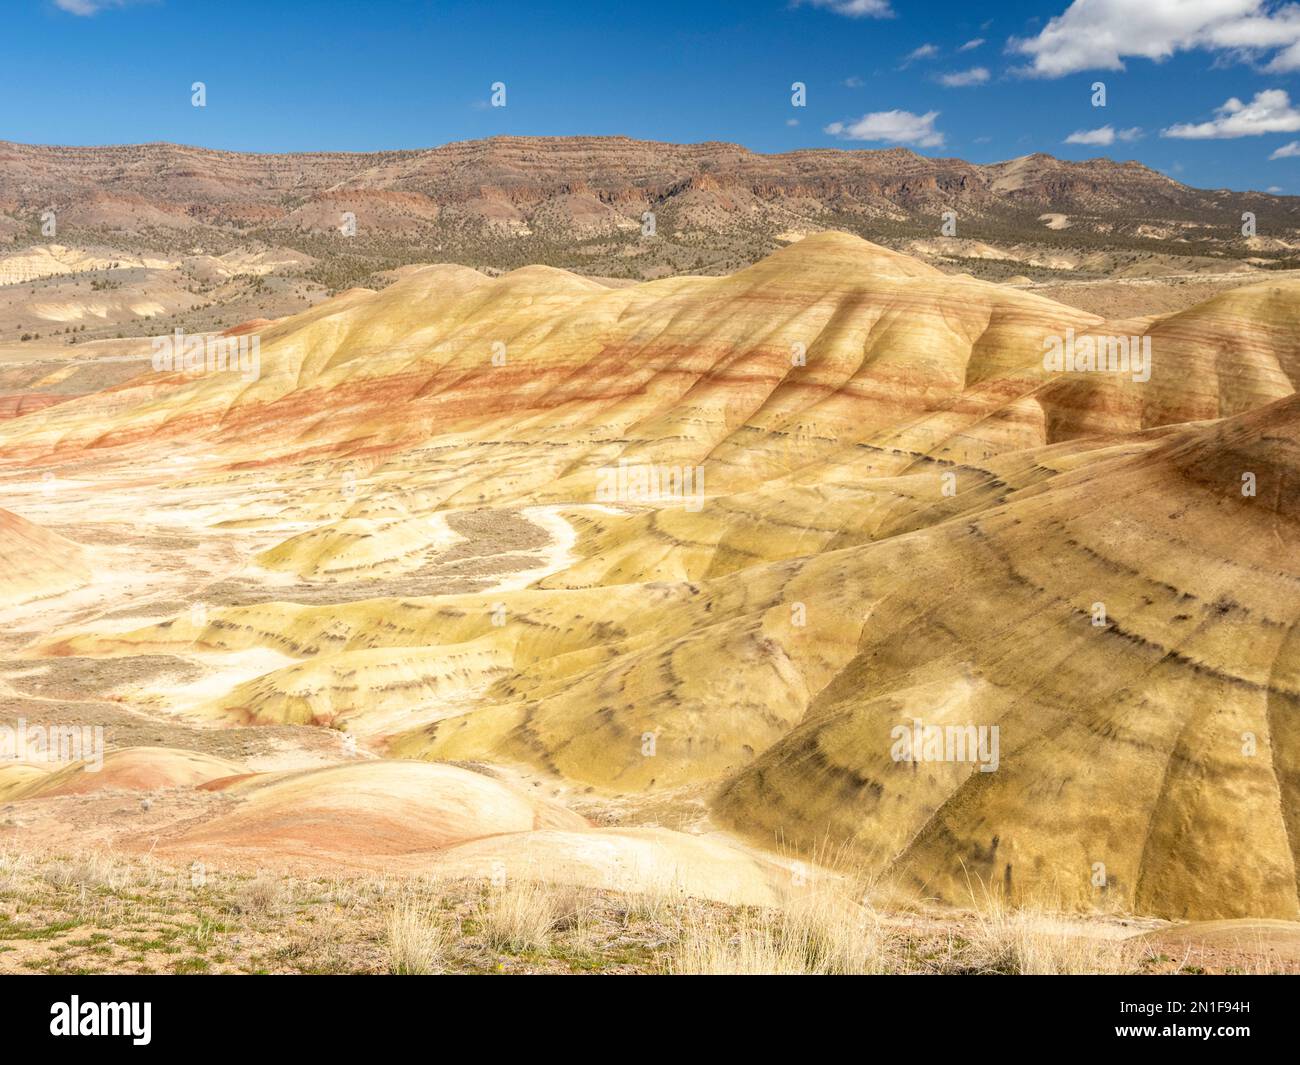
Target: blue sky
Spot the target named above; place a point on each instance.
(1201, 89)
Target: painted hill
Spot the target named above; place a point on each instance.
(35, 562)
(903, 518)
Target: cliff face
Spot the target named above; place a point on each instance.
(561, 180)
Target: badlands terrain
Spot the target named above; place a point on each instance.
(624, 590)
(130, 240)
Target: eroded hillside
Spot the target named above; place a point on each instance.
(689, 552)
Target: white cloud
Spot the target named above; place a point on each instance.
(926, 51)
(971, 45)
(1286, 61)
(89, 7)
(1287, 151)
(1104, 136)
(1100, 34)
(894, 127)
(962, 78)
(856, 8)
(1269, 112)
(792, 122)
(1274, 189)
(853, 82)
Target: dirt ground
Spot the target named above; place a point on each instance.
(100, 913)
(1138, 297)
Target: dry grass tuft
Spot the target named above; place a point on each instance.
(835, 934)
(16, 872)
(821, 932)
(91, 871)
(264, 895)
(755, 948)
(520, 916)
(417, 943)
(1029, 943)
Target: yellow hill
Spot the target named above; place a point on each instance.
(904, 517)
